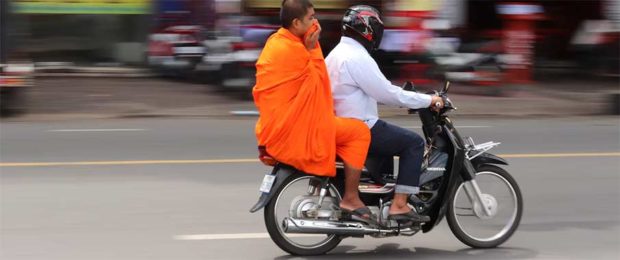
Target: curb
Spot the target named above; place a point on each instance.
(602, 105)
(68, 69)
(92, 75)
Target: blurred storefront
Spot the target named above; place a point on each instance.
(82, 31)
(553, 31)
(556, 32)
(203, 13)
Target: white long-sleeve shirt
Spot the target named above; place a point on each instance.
(358, 84)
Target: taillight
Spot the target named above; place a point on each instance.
(160, 49)
(265, 158)
(240, 46)
(11, 81)
(168, 50)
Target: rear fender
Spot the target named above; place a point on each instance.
(281, 172)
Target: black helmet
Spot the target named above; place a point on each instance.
(362, 23)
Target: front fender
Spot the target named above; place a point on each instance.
(281, 172)
(487, 158)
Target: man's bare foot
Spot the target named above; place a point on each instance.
(399, 204)
(351, 204)
(400, 211)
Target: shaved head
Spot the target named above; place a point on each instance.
(293, 9)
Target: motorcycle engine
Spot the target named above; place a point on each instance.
(306, 206)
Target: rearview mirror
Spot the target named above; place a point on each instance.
(409, 86)
(446, 87)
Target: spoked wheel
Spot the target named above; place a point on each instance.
(294, 199)
(471, 225)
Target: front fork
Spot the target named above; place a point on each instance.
(476, 197)
(481, 203)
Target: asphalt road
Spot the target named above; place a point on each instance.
(181, 189)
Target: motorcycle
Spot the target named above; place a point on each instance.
(460, 181)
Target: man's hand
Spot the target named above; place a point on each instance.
(311, 39)
(437, 103)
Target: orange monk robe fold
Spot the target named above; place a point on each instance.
(297, 124)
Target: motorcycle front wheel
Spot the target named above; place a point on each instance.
(286, 202)
(503, 197)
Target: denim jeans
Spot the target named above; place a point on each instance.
(388, 140)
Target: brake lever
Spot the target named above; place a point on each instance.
(447, 103)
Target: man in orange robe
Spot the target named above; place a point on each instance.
(297, 124)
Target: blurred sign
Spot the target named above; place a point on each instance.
(612, 11)
(318, 4)
(454, 11)
(81, 6)
(416, 5)
(519, 9)
(518, 36)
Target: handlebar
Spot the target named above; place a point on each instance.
(408, 86)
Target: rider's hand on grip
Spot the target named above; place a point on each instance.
(437, 103)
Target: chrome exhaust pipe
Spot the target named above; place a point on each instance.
(315, 226)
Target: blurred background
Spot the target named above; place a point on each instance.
(483, 43)
(127, 127)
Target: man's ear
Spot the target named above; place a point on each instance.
(295, 23)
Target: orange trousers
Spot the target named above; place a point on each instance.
(352, 141)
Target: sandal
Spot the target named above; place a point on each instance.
(409, 216)
(362, 214)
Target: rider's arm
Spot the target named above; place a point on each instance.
(367, 75)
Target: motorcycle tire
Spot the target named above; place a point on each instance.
(276, 234)
(508, 230)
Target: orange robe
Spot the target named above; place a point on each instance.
(297, 124)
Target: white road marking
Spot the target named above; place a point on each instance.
(461, 126)
(98, 130)
(244, 113)
(235, 236)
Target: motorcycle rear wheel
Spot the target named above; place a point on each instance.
(461, 214)
(294, 243)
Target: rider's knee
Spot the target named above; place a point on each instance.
(414, 140)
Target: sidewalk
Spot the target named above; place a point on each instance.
(69, 69)
(88, 97)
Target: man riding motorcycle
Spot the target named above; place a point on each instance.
(357, 86)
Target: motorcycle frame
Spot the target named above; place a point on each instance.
(458, 170)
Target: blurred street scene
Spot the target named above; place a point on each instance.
(127, 127)
(181, 188)
(489, 48)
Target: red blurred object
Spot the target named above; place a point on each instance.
(176, 49)
(519, 35)
(239, 46)
(8, 81)
(417, 73)
(160, 48)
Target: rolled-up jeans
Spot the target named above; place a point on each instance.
(387, 140)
